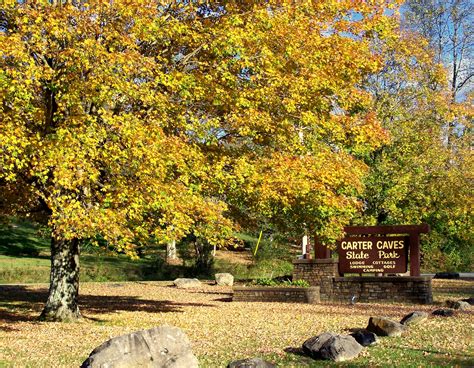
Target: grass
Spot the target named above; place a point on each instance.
(221, 331)
(24, 258)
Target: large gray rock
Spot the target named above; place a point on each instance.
(313, 345)
(251, 363)
(330, 346)
(183, 283)
(414, 318)
(224, 279)
(159, 347)
(458, 304)
(383, 326)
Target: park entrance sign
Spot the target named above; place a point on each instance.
(373, 254)
(393, 247)
(372, 266)
(378, 249)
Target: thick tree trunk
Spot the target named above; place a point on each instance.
(64, 282)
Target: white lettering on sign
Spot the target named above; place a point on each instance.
(390, 244)
(356, 245)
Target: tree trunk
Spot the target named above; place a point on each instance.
(171, 250)
(204, 258)
(64, 282)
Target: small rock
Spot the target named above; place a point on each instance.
(329, 346)
(250, 363)
(383, 326)
(443, 312)
(224, 279)
(414, 318)
(446, 275)
(163, 346)
(365, 338)
(183, 283)
(461, 305)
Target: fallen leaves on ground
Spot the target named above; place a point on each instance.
(220, 330)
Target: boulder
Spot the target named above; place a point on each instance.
(250, 363)
(159, 347)
(183, 283)
(461, 304)
(383, 326)
(365, 338)
(313, 345)
(224, 279)
(443, 312)
(330, 346)
(414, 318)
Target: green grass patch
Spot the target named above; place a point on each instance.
(25, 258)
(22, 239)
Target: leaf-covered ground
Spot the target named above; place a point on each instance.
(221, 330)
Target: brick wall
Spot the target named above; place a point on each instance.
(276, 294)
(374, 289)
(318, 272)
(324, 273)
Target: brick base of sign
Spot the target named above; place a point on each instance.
(318, 272)
(382, 289)
(324, 273)
(276, 294)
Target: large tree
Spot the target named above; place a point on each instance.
(129, 120)
(418, 176)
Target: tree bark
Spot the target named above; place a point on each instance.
(62, 303)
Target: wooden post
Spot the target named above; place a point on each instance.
(414, 254)
(320, 251)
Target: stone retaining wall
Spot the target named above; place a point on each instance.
(276, 294)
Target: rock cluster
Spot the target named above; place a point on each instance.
(335, 347)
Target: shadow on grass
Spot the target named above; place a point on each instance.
(17, 303)
(224, 300)
(21, 240)
(439, 358)
(295, 351)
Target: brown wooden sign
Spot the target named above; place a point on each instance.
(381, 254)
(390, 258)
